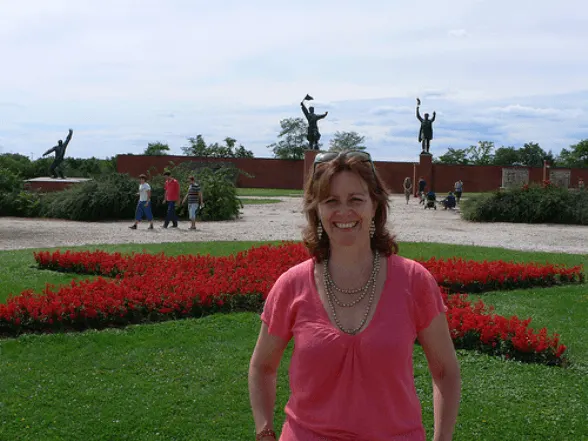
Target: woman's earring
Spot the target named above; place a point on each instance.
(319, 230)
(372, 229)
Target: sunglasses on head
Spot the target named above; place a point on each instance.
(329, 156)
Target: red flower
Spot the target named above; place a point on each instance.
(145, 287)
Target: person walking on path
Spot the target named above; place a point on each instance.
(195, 201)
(172, 196)
(407, 188)
(144, 205)
(458, 189)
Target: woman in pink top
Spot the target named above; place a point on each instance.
(354, 311)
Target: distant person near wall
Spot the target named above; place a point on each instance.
(458, 190)
(407, 185)
(195, 202)
(172, 195)
(144, 205)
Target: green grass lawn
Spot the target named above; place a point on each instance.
(187, 380)
(268, 192)
(466, 195)
(250, 201)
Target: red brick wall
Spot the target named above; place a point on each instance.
(48, 186)
(579, 173)
(267, 173)
(393, 174)
(278, 173)
(478, 178)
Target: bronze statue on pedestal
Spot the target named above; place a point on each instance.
(426, 131)
(59, 150)
(313, 135)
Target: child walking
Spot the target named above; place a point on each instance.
(144, 205)
(195, 201)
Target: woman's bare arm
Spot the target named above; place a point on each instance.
(263, 370)
(444, 367)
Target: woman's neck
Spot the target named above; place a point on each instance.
(351, 259)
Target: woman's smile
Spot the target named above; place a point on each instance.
(346, 225)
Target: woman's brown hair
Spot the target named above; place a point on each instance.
(317, 188)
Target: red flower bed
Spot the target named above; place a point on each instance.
(148, 288)
(475, 326)
(458, 275)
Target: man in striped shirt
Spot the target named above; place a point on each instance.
(195, 202)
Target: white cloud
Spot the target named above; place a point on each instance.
(459, 33)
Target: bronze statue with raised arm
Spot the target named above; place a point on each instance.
(59, 150)
(313, 135)
(426, 131)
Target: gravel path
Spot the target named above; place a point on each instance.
(284, 221)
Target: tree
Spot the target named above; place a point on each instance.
(228, 150)
(9, 180)
(577, 156)
(454, 156)
(550, 158)
(481, 154)
(506, 156)
(293, 142)
(19, 164)
(346, 141)
(242, 152)
(199, 148)
(532, 155)
(156, 149)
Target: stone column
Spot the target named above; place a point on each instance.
(425, 169)
(309, 156)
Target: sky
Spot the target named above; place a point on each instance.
(124, 73)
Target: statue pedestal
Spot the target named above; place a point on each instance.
(425, 169)
(47, 184)
(309, 156)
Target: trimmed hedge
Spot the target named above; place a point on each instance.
(529, 204)
(113, 196)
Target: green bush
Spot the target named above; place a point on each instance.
(529, 204)
(218, 188)
(14, 201)
(72, 167)
(113, 196)
(220, 195)
(20, 203)
(10, 180)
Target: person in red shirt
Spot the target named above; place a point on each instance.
(172, 195)
(354, 310)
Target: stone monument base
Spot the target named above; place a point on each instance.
(46, 184)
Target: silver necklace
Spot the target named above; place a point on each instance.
(332, 283)
(331, 296)
(364, 289)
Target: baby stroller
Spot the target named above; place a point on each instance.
(431, 200)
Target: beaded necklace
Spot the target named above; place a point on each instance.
(330, 287)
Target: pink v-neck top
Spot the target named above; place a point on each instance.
(353, 387)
